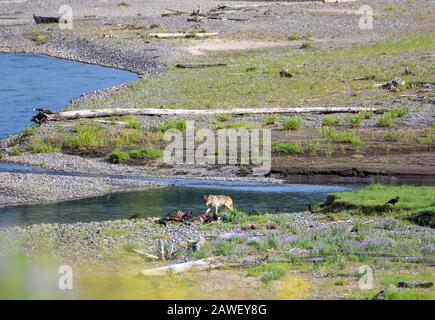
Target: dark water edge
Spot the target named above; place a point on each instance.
(29, 81)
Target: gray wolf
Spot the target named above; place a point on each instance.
(218, 201)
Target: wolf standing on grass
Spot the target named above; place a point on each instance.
(218, 201)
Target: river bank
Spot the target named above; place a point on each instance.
(28, 188)
(320, 254)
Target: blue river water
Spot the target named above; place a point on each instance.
(30, 81)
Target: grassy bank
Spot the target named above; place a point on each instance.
(325, 75)
(414, 201)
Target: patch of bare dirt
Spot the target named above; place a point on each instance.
(214, 45)
(375, 159)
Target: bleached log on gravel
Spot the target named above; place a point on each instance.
(198, 265)
(146, 255)
(337, 1)
(183, 35)
(97, 113)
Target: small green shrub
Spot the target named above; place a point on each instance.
(234, 217)
(399, 112)
(350, 137)
(147, 153)
(133, 123)
(43, 147)
(367, 114)
(153, 153)
(385, 120)
(408, 137)
(306, 45)
(119, 156)
(288, 148)
(29, 131)
(355, 121)
(223, 116)
(272, 275)
(347, 136)
(15, 151)
(233, 125)
(178, 124)
(427, 140)
(311, 148)
(270, 119)
(128, 136)
(88, 135)
(392, 135)
(292, 123)
(294, 37)
(329, 120)
(130, 246)
(137, 154)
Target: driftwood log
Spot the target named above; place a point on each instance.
(46, 115)
(183, 35)
(188, 217)
(199, 65)
(197, 265)
(42, 20)
(415, 284)
(173, 12)
(97, 113)
(145, 255)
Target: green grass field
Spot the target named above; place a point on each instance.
(319, 75)
(413, 199)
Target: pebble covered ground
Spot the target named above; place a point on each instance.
(27, 188)
(297, 234)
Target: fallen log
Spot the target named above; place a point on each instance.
(188, 218)
(183, 35)
(43, 20)
(214, 17)
(179, 217)
(198, 265)
(415, 284)
(99, 113)
(337, 1)
(145, 255)
(46, 115)
(199, 65)
(240, 7)
(177, 11)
